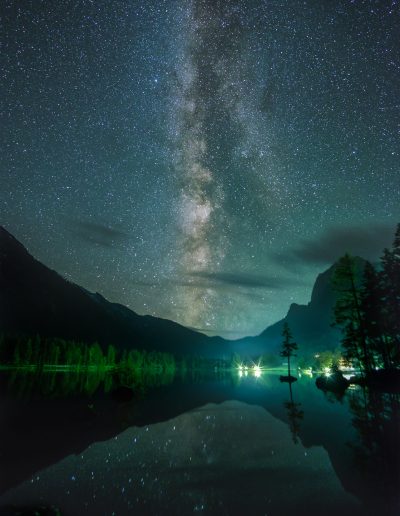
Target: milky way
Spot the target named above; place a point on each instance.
(211, 122)
(200, 161)
(199, 84)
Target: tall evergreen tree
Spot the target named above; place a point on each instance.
(348, 312)
(28, 352)
(390, 283)
(17, 355)
(372, 313)
(95, 355)
(111, 356)
(288, 346)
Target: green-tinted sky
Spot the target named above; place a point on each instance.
(200, 160)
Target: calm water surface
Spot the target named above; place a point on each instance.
(224, 445)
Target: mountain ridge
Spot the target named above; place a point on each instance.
(37, 300)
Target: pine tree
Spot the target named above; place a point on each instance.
(95, 355)
(111, 356)
(288, 346)
(390, 284)
(348, 312)
(28, 352)
(39, 351)
(17, 355)
(374, 321)
(124, 359)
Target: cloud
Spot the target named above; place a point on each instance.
(242, 279)
(217, 332)
(365, 241)
(225, 280)
(96, 233)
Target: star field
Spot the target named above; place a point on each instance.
(200, 160)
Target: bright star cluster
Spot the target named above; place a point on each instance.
(200, 160)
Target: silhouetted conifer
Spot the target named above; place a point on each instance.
(390, 284)
(348, 313)
(288, 345)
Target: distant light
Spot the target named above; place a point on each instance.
(327, 371)
(257, 371)
(240, 372)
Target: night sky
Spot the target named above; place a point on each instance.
(200, 160)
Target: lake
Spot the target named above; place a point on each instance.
(214, 444)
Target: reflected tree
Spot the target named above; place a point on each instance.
(295, 415)
(376, 418)
(25, 384)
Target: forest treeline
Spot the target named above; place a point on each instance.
(368, 309)
(54, 353)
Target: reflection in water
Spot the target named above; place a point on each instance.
(45, 429)
(294, 414)
(189, 464)
(376, 417)
(54, 384)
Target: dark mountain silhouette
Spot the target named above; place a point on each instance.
(36, 300)
(311, 324)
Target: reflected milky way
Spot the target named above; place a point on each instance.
(189, 465)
